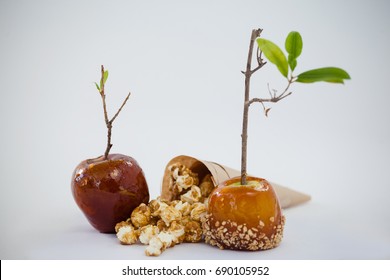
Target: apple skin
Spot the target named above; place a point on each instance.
(244, 217)
(107, 190)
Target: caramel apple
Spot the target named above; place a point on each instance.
(108, 190)
(244, 217)
(109, 187)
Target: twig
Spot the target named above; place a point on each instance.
(273, 98)
(107, 121)
(248, 73)
(247, 102)
(103, 96)
(120, 109)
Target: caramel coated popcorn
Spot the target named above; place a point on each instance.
(170, 214)
(127, 234)
(141, 215)
(206, 186)
(184, 208)
(192, 196)
(155, 247)
(162, 224)
(147, 233)
(198, 211)
(182, 178)
(156, 206)
(193, 232)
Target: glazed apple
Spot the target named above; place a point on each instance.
(244, 217)
(108, 190)
(109, 187)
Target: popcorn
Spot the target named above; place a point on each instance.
(192, 195)
(122, 224)
(184, 208)
(177, 230)
(184, 182)
(127, 234)
(147, 233)
(185, 220)
(167, 239)
(141, 215)
(193, 232)
(156, 206)
(163, 224)
(182, 178)
(155, 247)
(170, 214)
(198, 211)
(206, 186)
(160, 242)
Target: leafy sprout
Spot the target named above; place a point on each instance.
(286, 66)
(293, 46)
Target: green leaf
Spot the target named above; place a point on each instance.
(97, 86)
(274, 54)
(292, 62)
(326, 74)
(103, 82)
(294, 44)
(105, 76)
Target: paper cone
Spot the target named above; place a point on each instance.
(287, 197)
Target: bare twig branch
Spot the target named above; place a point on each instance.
(120, 109)
(269, 100)
(273, 98)
(257, 68)
(258, 56)
(260, 62)
(248, 73)
(269, 91)
(107, 121)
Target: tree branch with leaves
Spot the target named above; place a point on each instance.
(286, 66)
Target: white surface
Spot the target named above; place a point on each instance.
(182, 60)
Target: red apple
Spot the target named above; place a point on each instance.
(244, 217)
(107, 190)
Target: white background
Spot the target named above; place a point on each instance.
(182, 60)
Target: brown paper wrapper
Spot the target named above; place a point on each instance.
(287, 197)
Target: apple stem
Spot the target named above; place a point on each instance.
(107, 121)
(248, 73)
(109, 145)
